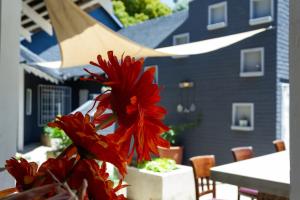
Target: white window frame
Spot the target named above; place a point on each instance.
(219, 25)
(174, 42)
(260, 20)
(156, 72)
(28, 103)
(234, 110)
(252, 74)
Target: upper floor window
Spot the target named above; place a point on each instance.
(179, 39)
(217, 16)
(252, 62)
(261, 11)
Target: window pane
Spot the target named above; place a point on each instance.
(252, 61)
(53, 101)
(181, 40)
(261, 8)
(218, 14)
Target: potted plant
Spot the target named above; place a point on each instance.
(175, 152)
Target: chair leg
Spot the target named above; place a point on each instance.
(214, 189)
(239, 196)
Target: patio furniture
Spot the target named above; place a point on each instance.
(239, 154)
(201, 166)
(269, 174)
(279, 145)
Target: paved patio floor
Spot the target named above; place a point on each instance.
(225, 192)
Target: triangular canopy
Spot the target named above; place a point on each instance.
(81, 38)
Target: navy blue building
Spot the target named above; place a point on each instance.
(237, 90)
(50, 92)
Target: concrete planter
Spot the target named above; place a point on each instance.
(147, 185)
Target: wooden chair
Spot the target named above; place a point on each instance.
(239, 154)
(201, 166)
(279, 145)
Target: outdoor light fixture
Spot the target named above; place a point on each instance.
(186, 84)
(187, 97)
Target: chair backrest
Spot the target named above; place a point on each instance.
(242, 153)
(279, 145)
(201, 166)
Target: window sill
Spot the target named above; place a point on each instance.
(251, 74)
(242, 128)
(261, 20)
(219, 25)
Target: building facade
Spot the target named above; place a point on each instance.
(237, 90)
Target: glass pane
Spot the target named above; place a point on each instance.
(243, 113)
(217, 15)
(252, 61)
(261, 8)
(181, 40)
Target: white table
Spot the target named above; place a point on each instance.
(269, 174)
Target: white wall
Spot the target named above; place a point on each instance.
(10, 14)
(295, 98)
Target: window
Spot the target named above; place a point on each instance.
(252, 62)
(261, 11)
(217, 16)
(179, 39)
(242, 116)
(52, 101)
(156, 72)
(28, 101)
(83, 96)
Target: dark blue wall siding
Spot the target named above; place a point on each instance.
(218, 85)
(31, 129)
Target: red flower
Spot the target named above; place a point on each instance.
(133, 99)
(89, 144)
(99, 187)
(59, 168)
(23, 171)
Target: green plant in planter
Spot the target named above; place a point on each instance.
(56, 133)
(158, 165)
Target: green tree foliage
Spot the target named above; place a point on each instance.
(131, 12)
(181, 5)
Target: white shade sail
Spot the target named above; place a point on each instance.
(206, 46)
(81, 38)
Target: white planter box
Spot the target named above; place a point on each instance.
(147, 185)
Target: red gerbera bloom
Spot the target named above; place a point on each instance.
(59, 168)
(23, 171)
(99, 187)
(133, 99)
(89, 144)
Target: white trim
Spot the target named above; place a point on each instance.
(187, 35)
(261, 20)
(219, 25)
(242, 128)
(44, 24)
(25, 33)
(20, 138)
(156, 72)
(252, 74)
